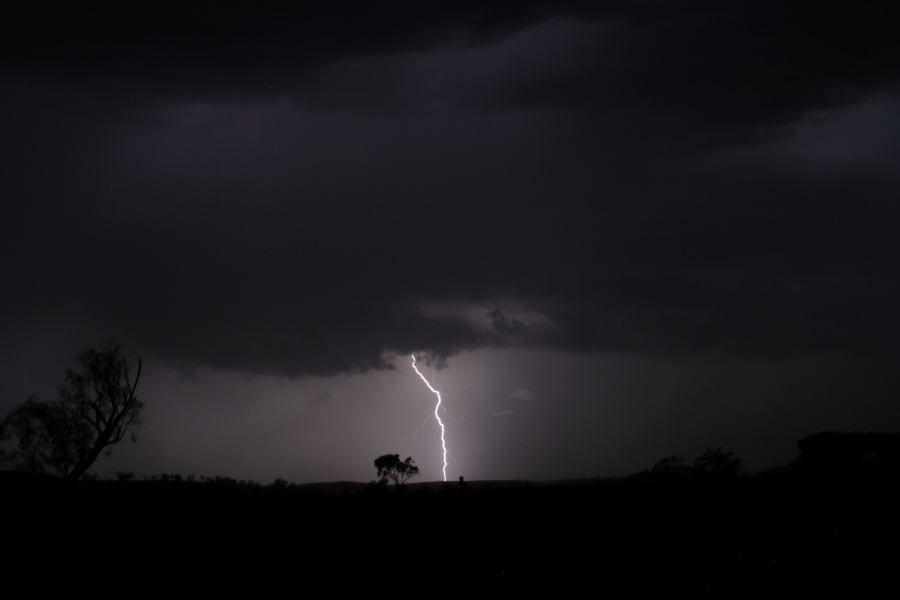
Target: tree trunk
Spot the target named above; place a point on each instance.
(85, 463)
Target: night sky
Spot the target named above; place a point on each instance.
(615, 231)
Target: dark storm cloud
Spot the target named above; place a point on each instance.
(722, 69)
(734, 64)
(519, 174)
(146, 51)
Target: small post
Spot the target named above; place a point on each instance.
(462, 482)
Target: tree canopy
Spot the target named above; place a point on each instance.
(390, 467)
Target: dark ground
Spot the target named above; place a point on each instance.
(762, 533)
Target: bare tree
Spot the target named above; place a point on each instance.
(96, 408)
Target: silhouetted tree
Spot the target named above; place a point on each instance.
(848, 454)
(389, 466)
(5, 455)
(669, 469)
(716, 465)
(97, 406)
(666, 470)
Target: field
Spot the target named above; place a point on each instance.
(757, 533)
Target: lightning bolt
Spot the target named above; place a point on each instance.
(436, 414)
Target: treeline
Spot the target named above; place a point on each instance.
(822, 455)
